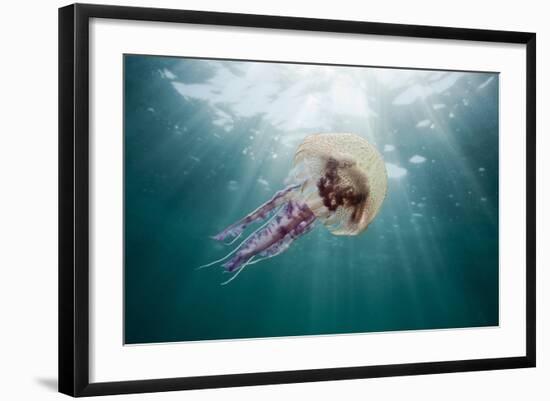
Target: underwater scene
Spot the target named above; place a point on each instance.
(270, 199)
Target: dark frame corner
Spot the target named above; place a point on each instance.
(74, 191)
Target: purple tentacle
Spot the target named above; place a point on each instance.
(284, 244)
(292, 220)
(261, 213)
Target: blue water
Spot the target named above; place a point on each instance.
(208, 141)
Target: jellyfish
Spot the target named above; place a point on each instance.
(337, 179)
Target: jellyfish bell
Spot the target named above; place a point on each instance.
(338, 179)
(347, 175)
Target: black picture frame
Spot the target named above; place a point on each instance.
(74, 194)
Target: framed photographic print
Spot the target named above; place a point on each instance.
(250, 199)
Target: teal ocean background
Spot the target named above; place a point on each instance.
(207, 141)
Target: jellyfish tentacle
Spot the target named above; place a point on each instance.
(261, 213)
(234, 276)
(215, 262)
(234, 239)
(291, 221)
(280, 247)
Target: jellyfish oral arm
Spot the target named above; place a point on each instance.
(261, 213)
(293, 220)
